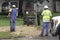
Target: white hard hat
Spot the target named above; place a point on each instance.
(27, 12)
(13, 6)
(45, 6)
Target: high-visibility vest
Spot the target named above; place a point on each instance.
(46, 14)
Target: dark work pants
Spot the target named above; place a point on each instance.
(45, 25)
(12, 25)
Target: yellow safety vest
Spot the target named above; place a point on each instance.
(46, 15)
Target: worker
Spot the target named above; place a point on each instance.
(46, 14)
(12, 13)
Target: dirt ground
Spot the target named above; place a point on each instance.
(22, 30)
(30, 33)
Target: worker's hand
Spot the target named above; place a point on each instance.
(8, 15)
(16, 14)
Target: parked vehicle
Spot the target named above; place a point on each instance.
(55, 28)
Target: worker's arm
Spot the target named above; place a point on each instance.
(43, 13)
(17, 11)
(17, 14)
(10, 10)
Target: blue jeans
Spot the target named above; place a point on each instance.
(45, 25)
(12, 25)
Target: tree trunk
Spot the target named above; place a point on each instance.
(20, 8)
(54, 5)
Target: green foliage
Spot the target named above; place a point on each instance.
(56, 14)
(56, 0)
(6, 35)
(41, 1)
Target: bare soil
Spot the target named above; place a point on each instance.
(22, 30)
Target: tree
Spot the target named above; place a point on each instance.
(41, 1)
(54, 5)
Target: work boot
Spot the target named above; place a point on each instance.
(54, 34)
(41, 35)
(46, 35)
(12, 30)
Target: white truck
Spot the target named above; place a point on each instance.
(55, 26)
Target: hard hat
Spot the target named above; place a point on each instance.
(27, 12)
(13, 6)
(45, 6)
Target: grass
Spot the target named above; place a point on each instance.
(21, 31)
(5, 35)
(5, 21)
(56, 14)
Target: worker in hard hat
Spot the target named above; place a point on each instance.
(12, 13)
(46, 20)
